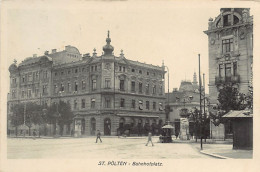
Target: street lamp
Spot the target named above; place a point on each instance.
(57, 115)
(168, 106)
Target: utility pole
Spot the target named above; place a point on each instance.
(204, 99)
(200, 107)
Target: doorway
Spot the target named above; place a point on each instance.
(107, 127)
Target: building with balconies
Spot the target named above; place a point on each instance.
(106, 92)
(230, 47)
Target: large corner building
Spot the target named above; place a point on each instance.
(105, 92)
(230, 45)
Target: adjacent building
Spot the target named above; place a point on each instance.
(182, 101)
(230, 44)
(105, 92)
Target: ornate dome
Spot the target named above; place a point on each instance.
(13, 67)
(108, 49)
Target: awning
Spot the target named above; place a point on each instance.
(238, 114)
(168, 126)
(138, 116)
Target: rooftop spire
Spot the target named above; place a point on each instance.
(108, 49)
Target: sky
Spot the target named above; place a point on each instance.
(147, 32)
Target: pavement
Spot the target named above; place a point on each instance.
(121, 147)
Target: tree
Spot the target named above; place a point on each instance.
(17, 116)
(61, 114)
(230, 99)
(200, 122)
(26, 113)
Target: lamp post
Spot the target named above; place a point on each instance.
(168, 106)
(200, 107)
(57, 115)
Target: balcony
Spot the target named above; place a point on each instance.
(227, 79)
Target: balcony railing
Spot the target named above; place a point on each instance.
(227, 79)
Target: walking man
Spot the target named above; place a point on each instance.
(149, 139)
(98, 136)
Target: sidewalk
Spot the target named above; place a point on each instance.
(225, 151)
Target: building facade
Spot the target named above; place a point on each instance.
(182, 101)
(105, 92)
(230, 44)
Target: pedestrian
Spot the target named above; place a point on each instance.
(149, 139)
(98, 136)
(34, 134)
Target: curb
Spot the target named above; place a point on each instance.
(214, 155)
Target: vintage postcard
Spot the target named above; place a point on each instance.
(129, 85)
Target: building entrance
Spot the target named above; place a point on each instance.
(107, 127)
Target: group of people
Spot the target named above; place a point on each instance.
(149, 138)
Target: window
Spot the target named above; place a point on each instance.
(133, 86)
(62, 73)
(140, 71)
(61, 87)
(93, 102)
(153, 74)
(55, 89)
(148, 73)
(154, 105)
(14, 81)
(36, 91)
(69, 87)
(76, 86)
(227, 20)
(133, 70)
(55, 74)
(140, 87)
(147, 89)
(23, 78)
(120, 68)
(29, 93)
(37, 76)
(45, 74)
(154, 89)
(160, 106)
(92, 68)
(147, 103)
(107, 83)
(95, 68)
(69, 72)
(83, 69)
(122, 85)
(133, 104)
(44, 89)
(235, 68)
(228, 70)
(160, 89)
(23, 94)
(83, 103)
(123, 69)
(140, 104)
(13, 94)
(107, 102)
(221, 70)
(83, 83)
(94, 84)
(227, 45)
(75, 104)
(29, 77)
(76, 70)
(122, 103)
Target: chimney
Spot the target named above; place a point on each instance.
(34, 55)
(46, 52)
(53, 51)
